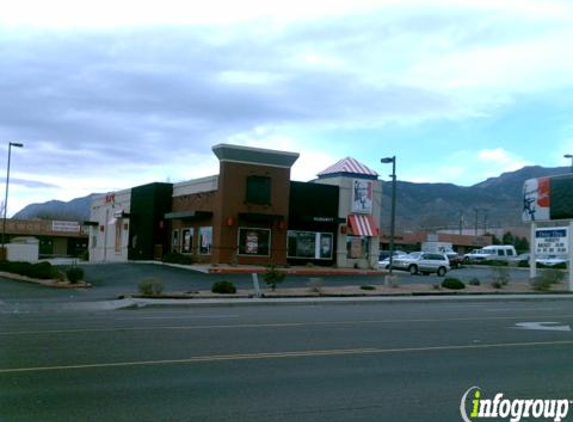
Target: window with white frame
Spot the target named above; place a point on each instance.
(254, 241)
(205, 240)
(187, 240)
(310, 245)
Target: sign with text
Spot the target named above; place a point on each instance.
(66, 226)
(551, 241)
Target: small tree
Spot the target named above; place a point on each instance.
(273, 277)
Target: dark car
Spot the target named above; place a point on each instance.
(456, 260)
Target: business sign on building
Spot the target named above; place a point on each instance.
(551, 241)
(548, 198)
(362, 194)
(66, 226)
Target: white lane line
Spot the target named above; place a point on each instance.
(281, 325)
(282, 355)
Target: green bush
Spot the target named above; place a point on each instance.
(225, 287)
(151, 287)
(474, 282)
(453, 284)
(368, 287)
(74, 274)
(496, 285)
(177, 258)
(560, 266)
(492, 263)
(41, 270)
(273, 277)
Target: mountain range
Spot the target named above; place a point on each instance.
(493, 203)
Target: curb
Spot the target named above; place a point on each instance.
(315, 301)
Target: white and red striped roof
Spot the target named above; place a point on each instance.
(348, 165)
(363, 225)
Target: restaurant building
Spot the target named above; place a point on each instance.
(251, 213)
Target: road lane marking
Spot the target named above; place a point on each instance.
(543, 326)
(279, 325)
(281, 355)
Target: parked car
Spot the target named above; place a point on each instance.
(384, 259)
(551, 260)
(456, 260)
(476, 255)
(423, 263)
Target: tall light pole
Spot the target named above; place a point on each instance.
(571, 157)
(10, 145)
(392, 160)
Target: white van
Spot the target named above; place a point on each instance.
(502, 252)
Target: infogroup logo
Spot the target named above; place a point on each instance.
(514, 409)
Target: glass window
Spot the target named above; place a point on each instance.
(357, 247)
(205, 240)
(254, 241)
(259, 190)
(312, 245)
(118, 235)
(175, 240)
(187, 240)
(326, 246)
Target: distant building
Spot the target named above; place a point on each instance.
(55, 237)
(250, 213)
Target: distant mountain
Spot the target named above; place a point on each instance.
(75, 210)
(496, 202)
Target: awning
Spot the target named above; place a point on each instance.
(363, 225)
(187, 215)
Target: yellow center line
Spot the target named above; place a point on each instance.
(280, 355)
(282, 324)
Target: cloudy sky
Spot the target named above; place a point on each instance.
(112, 94)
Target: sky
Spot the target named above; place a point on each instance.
(109, 95)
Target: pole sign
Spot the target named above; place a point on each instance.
(548, 199)
(551, 241)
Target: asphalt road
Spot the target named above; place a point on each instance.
(112, 280)
(370, 362)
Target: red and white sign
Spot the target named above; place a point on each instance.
(536, 200)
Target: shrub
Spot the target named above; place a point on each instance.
(74, 274)
(501, 275)
(41, 270)
(453, 284)
(273, 277)
(151, 287)
(474, 282)
(368, 288)
(177, 258)
(225, 287)
(546, 279)
(85, 255)
(496, 285)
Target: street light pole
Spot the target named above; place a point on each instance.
(10, 145)
(392, 160)
(571, 157)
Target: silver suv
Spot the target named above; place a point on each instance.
(423, 263)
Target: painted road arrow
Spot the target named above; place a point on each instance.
(547, 326)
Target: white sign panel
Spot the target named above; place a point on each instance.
(66, 226)
(536, 200)
(551, 241)
(362, 194)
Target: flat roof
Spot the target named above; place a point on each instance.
(249, 155)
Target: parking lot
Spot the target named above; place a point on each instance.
(110, 281)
